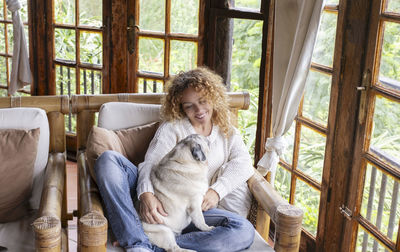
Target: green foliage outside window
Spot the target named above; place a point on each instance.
(246, 59)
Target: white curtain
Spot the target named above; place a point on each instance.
(21, 72)
(296, 27)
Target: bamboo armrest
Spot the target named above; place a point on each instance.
(92, 223)
(286, 217)
(47, 226)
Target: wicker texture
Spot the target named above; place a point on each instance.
(47, 233)
(93, 230)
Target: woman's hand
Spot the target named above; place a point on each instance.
(151, 209)
(210, 200)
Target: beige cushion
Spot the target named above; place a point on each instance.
(123, 115)
(17, 159)
(31, 118)
(132, 143)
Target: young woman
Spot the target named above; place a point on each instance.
(196, 103)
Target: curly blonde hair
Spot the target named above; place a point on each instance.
(210, 85)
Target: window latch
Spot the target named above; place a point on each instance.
(347, 213)
(366, 79)
(132, 28)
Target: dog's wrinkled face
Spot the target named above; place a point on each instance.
(193, 147)
(198, 147)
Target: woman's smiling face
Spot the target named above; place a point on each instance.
(196, 107)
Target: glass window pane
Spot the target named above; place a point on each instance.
(65, 44)
(90, 81)
(246, 53)
(3, 92)
(393, 6)
(317, 96)
(332, 1)
(366, 242)
(381, 201)
(183, 56)
(325, 43)
(91, 50)
(151, 55)
(385, 139)
(90, 12)
(184, 16)
(64, 11)
(282, 182)
(8, 13)
(246, 58)
(150, 86)
(2, 39)
(1, 10)
(307, 198)
(289, 138)
(9, 62)
(311, 153)
(254, 4)
(247, 121)
(23, 12)
(10, 37)
(152, 15)
(389, 73)
(65, 80)
(3, 71)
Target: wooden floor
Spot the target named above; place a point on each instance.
(72, 203)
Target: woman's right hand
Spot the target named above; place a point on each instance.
(151, 209)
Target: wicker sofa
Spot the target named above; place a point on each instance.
(48, 231)
(92, 225)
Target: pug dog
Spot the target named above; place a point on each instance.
(180, 183)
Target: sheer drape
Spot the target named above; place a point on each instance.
(21, 72)
(296, 27)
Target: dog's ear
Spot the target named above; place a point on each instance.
(197, 152)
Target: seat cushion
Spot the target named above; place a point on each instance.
(259, 245)
(31, 118)
(17, 158)
(132, 143)
(122, 115)
(131, 128)
(19, 235)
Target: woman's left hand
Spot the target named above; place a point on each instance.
(210, 200)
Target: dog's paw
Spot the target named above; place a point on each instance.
(207, 228)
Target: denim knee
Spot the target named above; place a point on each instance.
(105, 158)
(102, 167)
(239, 237)
(246, 233)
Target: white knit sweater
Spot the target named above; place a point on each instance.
(229, 163)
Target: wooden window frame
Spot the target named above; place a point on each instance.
(350, 62)
(166, 37)
(363, 155)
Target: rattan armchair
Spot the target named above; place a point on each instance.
(92, 227)
(50, 219)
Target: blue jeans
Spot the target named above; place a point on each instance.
(117, 178)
